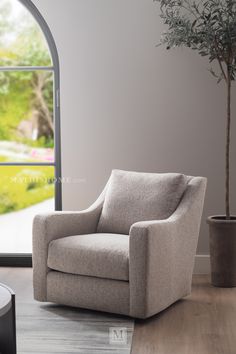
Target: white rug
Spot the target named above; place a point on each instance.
(45, 329)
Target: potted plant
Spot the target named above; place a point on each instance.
(209, 28)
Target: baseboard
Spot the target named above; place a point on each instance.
(202, 264)
(15, 260)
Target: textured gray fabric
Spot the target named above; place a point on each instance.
(98, 255)
(88, 292)
(52, 226)
(134, 196)
(161, 259)
(162, 255)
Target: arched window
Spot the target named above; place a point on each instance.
(29, 124)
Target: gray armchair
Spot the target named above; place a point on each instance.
(132, 252)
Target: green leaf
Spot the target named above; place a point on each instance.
(206, 26)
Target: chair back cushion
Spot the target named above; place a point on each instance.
(135, 196)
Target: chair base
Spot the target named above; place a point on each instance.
(88, 292)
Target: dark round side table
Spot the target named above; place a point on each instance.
(7, 321)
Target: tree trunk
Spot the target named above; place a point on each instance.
(227, 170)
(45, 121)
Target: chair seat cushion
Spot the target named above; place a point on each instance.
(135, 196)
(97, 255)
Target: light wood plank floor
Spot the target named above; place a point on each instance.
(203, 323)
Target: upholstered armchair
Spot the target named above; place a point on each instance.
(132, 252)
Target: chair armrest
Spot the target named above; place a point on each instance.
(162, 255)
(52, 226)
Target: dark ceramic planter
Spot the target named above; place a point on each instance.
(223, 251)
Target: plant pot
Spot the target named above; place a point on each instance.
(223, 251)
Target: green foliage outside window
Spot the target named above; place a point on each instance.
(21, 187)
(26, 109)
(22, 93)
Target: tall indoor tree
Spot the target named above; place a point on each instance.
(209, 28)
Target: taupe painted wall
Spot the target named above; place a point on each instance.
(127, 104)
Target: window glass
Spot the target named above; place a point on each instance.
(27, 91)
(22, 42)
(24, 192)
(26, 116)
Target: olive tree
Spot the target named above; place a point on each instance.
(209, 28)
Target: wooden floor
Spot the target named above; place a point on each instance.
(203, 323)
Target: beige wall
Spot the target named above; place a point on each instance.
(128, 104)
